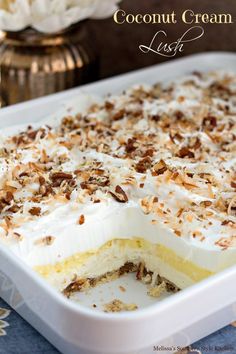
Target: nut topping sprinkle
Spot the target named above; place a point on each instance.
(119, 195)
(46, 241)
(36, 211)
(81, 220)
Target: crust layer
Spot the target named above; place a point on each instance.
(120, 256)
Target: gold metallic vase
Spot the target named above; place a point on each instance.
(34, 64)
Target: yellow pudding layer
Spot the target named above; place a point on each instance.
(143, 247)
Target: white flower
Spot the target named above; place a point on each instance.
(3, 324)
(14, 15)
(51, 15)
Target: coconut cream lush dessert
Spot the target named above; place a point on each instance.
(144, 181)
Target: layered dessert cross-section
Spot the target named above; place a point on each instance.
(143, 181)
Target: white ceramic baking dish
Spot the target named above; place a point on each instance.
(76, 328)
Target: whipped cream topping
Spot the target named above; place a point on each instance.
(154, 162)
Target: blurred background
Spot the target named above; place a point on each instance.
(118, 45)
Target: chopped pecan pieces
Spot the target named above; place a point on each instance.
(118, 115)
(127, 268)
(209, 123)
(14, 208)
(176, 137)
(35, 211)
(130, 146)
(45, 190)
(148, 152)
(119, 195)
(58, 177)
(143, 165)
(155, 117)
(179, 114)
(8, 197)
(109, 105)
(81, 220)
(185, 152)
(75, 286)
(233, 184)
(101, 181)
(49, 240)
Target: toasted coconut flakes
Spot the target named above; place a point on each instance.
(210, 191)
(8, 221)
(209, 213)
(160, 167)
(232, 205)
(130, 180)
(17, 236)
(225, 242)
(206, 203)
(44, 157)
(228, 222)
(189, 217)
(13, 184)
(180, 212)
(148, 204)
